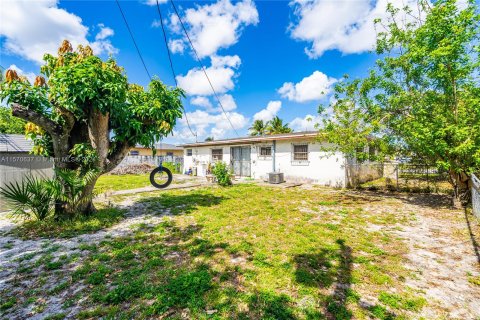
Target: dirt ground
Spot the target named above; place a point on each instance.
(443, 254)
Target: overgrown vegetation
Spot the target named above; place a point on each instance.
(221, 171)
(421, 100)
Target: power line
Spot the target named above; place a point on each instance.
(202, 65)
(171, 67)
(133, 39)
(166, 43)
(143, 61)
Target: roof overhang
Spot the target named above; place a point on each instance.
(255, 139)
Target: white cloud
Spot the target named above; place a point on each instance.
(104, 33)
(313, 87)
(215, 124)
(269, 112)
(153, 2)
(176, 46)
(201, 102)
(228, 102)
(226, 61)
(33, 28)
(221, 74)
(29, 75)
(347, 26)
(218, 25)
(307, 123)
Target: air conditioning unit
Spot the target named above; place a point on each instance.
(275, 177)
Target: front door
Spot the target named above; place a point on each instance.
(241, 161)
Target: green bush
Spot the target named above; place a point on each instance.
(32, 196)
(37, 197)
(174, 167)
(221, 171)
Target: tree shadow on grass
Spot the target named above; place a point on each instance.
(334, 267)
(179, 203)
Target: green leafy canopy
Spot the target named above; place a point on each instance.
(422, 99)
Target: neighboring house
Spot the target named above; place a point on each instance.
(297, 155)
(16, 162)
(163, 149)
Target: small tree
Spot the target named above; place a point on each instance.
(87, 116)
(423, 98)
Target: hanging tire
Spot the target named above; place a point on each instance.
(161, 177)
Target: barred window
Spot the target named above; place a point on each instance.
(217, 154)
(265, 151)
(189, 152)
(300, 152)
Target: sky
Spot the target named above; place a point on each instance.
(264, 58)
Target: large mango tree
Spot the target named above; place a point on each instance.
(83, 112)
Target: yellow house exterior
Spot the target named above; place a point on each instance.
(163, 149)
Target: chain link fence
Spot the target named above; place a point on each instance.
(407, 178)
(476, 196)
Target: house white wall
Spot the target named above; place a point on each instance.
(321, 168)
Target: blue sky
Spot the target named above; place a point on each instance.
(265, 58)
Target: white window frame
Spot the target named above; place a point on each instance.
(301, 161)
(189, 151)
(264, 157)
(211, 154)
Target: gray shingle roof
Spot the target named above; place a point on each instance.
(15, 143)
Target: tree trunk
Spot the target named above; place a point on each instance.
(462, 185)
(87, 207)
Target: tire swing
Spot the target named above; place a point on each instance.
(161, 177)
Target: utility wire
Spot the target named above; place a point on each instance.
(143, 61)
(202, 65)
(171, 67)
(133, 39)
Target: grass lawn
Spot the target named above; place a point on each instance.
(110, 182)
(243, 252)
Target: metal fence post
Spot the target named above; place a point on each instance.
(475, 196)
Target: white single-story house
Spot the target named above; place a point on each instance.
(297, 155)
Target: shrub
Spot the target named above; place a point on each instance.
(32, 196)
(173, 167)
(221, 171)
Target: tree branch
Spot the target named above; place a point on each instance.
(39, 119)
(120, 151)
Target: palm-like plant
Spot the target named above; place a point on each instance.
(258, 128)
(276, 126)
(32, 196)
(69, 187)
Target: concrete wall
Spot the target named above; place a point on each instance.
(319, 169)
(15, 166)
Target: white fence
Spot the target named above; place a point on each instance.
(153, 160)
(476, 196)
